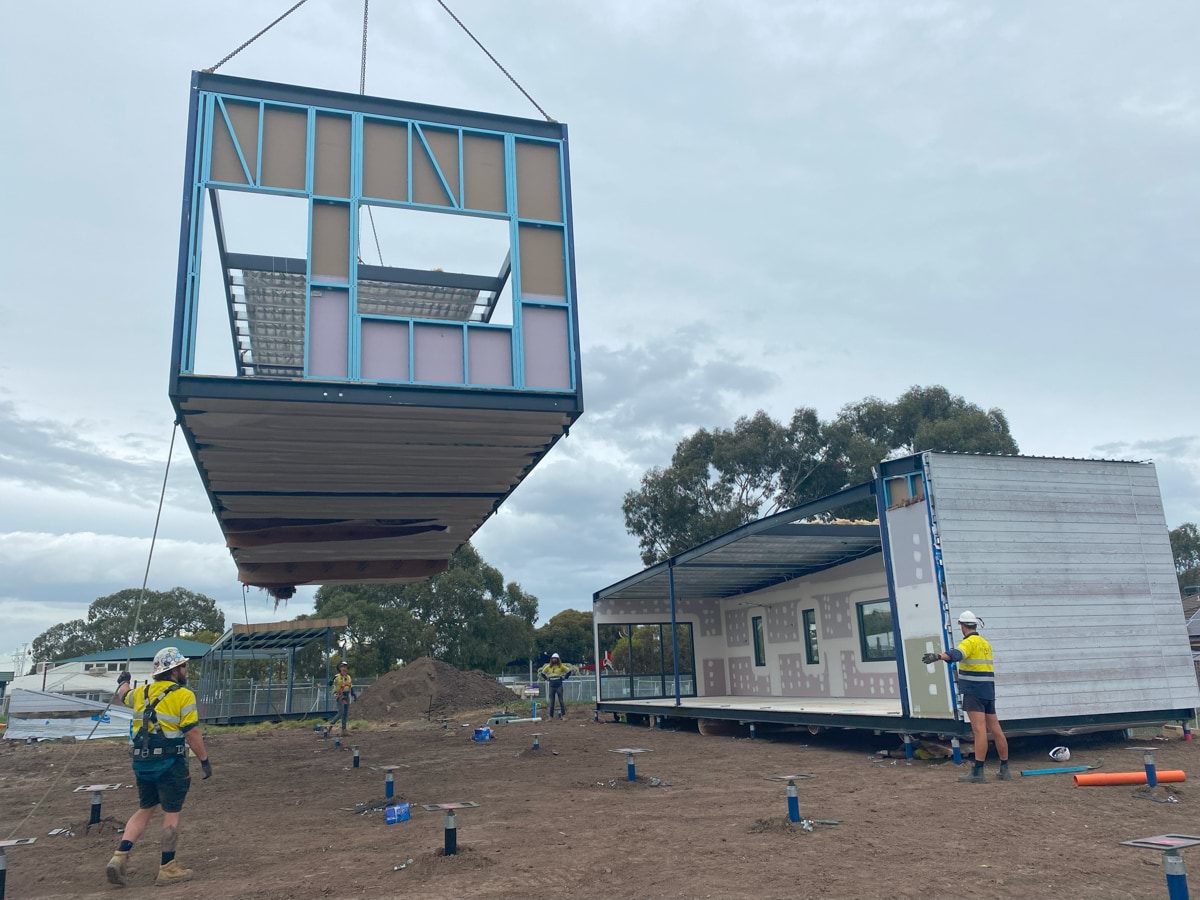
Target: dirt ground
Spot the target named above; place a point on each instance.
(277, 820)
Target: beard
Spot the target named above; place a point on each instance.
(180, 678)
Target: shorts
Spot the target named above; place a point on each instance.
(169, 788)
(971, 703)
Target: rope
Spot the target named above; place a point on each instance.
(545, 114)
(212, 69)
(128, 656)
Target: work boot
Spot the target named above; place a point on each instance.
(975, 776)
(116, 867)
(1004, 774)
(172, 873)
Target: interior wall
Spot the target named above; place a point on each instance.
(724, 645)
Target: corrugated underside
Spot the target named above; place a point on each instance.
(333, 473)
(1069, 564)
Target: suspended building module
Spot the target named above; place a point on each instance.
(371, 417)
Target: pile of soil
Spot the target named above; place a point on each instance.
(430, 687)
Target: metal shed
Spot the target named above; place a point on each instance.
(223, 697)
(794, 620)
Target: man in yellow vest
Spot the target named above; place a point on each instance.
(976, 677)
(343, 693)
(556, 672)
(164, 711)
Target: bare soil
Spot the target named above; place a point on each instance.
(429, 688)
(277, 820)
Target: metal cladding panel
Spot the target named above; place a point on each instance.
(346, 491)
(1069, 564)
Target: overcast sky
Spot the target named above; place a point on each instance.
(776, 204)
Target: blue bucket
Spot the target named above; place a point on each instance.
(482, 735)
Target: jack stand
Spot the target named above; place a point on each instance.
(908, 748)
(355, 757)
(97, 792)
(1172, 861)
(793, 798)
(630, 771)
(451, 842)
(537, 740)
(957, 751)
(4, 845)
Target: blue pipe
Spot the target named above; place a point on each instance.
(908, 747)
(629, 770)
(1151, 771)
(389, 787)
(957, 750)
(793, 803)
(1177, 888)
(1063, 771)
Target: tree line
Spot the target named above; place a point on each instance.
(717, 479)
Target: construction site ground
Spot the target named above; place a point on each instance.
(278, 820)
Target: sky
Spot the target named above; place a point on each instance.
(776, 204)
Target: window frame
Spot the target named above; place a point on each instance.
(812, 650)
(865, 650)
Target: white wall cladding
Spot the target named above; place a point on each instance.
(1069, 564)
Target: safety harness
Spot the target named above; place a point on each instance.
(150, 742)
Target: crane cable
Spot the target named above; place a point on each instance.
(137, 618)
(362, 89)
(449, 12)
(242, 47)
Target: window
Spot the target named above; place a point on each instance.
(760, 656)
(875, 631)
(810, 637)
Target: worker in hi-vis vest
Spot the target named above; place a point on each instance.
(165, 711)
(556, 672)
(976, 677)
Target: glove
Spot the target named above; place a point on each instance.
(930, 658)
(124, 678)
(206, 766)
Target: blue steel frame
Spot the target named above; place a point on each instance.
(210, 95)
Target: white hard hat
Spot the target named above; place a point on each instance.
(167, 659)
(1060, 754)
(966, 617)
(555, 656)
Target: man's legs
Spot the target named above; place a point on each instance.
(556, 690)
(993, 725)
(115, 870)
(979, 731)
(345, 714)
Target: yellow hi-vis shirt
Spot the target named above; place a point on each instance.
(976, 673)
(342, 685)
(176, 714)
(554, 672)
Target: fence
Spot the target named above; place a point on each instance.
(247, 697)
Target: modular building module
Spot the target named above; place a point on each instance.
(371, 417)
(823, 623)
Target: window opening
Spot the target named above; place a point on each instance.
(760, 656)
(875, 634)
(811, 651)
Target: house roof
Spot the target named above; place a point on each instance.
(141, 651)
(770, 551)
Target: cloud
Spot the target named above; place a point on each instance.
(1177, 462)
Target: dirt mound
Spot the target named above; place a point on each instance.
(429, 687)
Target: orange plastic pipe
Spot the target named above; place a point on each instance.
(1090, 779)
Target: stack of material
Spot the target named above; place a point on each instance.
(45, 716)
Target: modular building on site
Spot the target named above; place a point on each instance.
(819, 615)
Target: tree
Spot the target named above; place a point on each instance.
(1185, 547)
(467, 616)
(720, 479)
(569, 634)
(110, 622)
